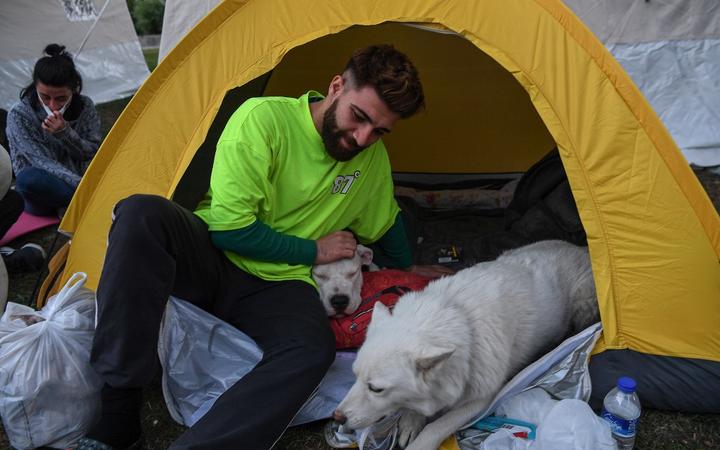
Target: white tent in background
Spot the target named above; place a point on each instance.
(99, 33)
(670, 48)
(179, 17)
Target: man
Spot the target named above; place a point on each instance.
(290, 178)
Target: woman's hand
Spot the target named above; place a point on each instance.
(55, 123)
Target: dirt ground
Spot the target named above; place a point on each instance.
(657, 430)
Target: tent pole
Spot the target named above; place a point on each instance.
(90, 30)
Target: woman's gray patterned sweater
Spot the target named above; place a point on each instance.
(65, 154)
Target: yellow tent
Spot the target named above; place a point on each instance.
(505, 82)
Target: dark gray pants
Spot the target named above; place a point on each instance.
(157, 249)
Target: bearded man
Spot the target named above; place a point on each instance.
(295, 181)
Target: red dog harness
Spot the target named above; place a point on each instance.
(384, 286)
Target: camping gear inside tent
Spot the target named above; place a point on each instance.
(99, 34)
(505, 82)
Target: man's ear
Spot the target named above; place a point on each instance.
(365, 254)
(336, 86)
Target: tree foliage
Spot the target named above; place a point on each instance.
(147, 15)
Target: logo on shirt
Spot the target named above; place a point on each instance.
(342, 183)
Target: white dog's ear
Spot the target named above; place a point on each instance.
(432, 356)
(380, 312)
(366, 255)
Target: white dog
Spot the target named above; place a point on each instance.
(447, 350)
(339, 283)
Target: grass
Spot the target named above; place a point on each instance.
(658, 429)
(151, 57)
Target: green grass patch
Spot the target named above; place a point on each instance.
(109, 113)
(151, 57)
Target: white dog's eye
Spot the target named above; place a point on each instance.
(320, 276)
(374, 389)
(351, 274)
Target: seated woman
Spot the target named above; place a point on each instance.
(53, 134)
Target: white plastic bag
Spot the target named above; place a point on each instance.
(202, 356)
(529, 406)
(572, 425)
(563, 373)
(49, 394)
(567, 424)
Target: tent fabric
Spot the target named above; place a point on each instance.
(679, 79)
(664, 383)
(653, 234)
(671, 50)
(111, 61)
(623, 22)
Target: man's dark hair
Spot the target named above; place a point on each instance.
(391, 74)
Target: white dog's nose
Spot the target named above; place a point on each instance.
(339, 417)
(339, 302)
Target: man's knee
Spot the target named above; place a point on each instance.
(140, 206)
(139, 217)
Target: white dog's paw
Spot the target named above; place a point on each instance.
(409, 426)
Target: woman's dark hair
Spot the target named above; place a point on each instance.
(56, 68)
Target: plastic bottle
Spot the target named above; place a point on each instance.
(621, 410)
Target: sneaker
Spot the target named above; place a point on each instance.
(28, 258)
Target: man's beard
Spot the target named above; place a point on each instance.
(332, 136)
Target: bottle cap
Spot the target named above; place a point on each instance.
(626, 384)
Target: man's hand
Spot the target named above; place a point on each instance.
(53, 124)
(431, 271)
(334, 246)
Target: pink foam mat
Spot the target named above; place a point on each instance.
(25, 224)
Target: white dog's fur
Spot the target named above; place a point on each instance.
(447, 350)
(339, 283)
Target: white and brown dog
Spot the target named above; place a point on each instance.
(339, 282)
